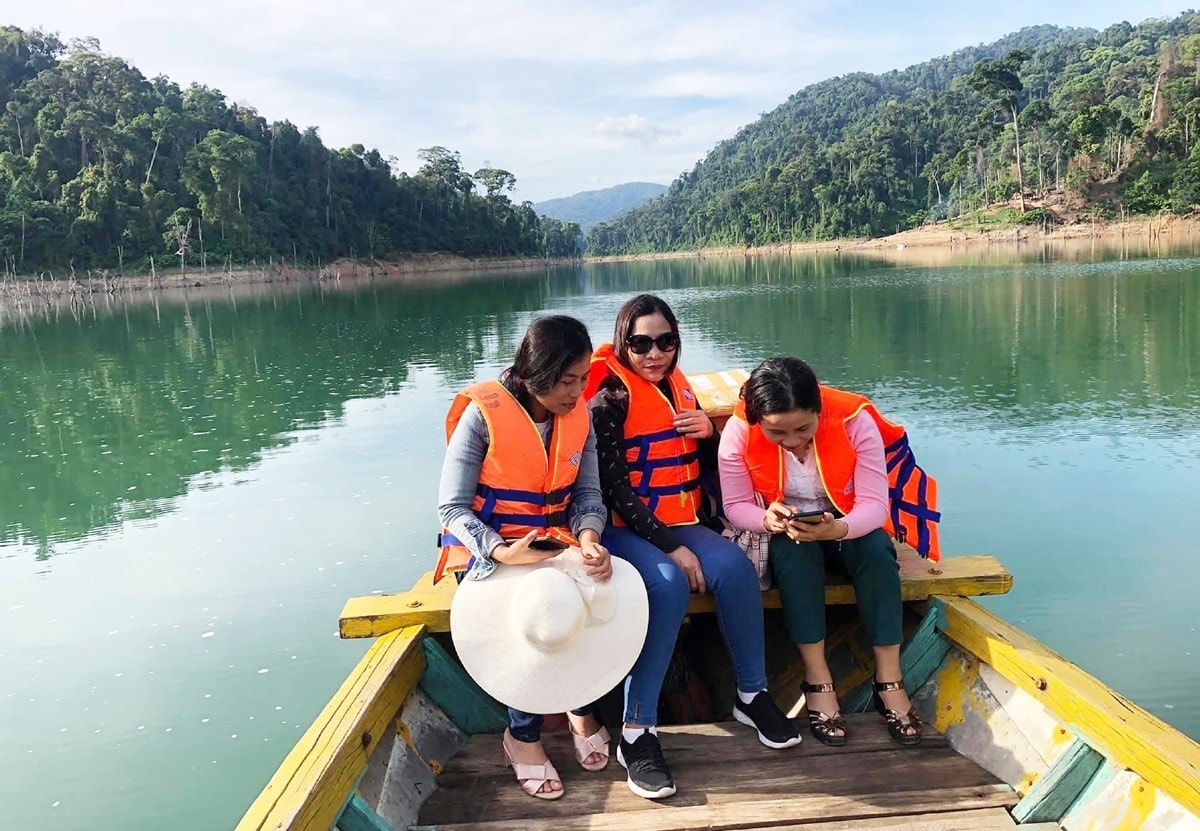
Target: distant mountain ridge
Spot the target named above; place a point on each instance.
(593, 206)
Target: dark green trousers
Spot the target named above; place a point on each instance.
(870, 564)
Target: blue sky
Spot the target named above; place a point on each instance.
(568, 96)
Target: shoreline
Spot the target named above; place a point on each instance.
(932, 244)
(1156, 230)
(26, 291)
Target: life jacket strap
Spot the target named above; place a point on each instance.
(650, 465)
(646, 489)
(643, 442)
(536, 498)
(650, 438)
(550, 520)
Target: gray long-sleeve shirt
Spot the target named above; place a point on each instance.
(465, 452)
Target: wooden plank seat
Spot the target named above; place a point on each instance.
(728, 780)
(429, 605)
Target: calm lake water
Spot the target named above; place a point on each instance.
(190, 487)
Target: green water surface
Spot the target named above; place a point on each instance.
(192, 485)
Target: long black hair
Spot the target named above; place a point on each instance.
(780, 385)
(627, 318)
(550, 346)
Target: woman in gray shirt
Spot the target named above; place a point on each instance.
(511, 495)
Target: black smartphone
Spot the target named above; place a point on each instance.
(811, 517)
(547, 544)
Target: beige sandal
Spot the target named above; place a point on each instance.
(598, 742)
(531, 778)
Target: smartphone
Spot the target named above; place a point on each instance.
(547, 544)
(811, 517)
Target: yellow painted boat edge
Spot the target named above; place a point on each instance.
(313, 782)
(1114, 726)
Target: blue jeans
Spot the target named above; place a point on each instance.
(729, 577)
(527, 727)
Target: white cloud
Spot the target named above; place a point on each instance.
(633, 128)
(702, 83)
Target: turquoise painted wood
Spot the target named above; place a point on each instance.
(1092, 791)
(448, 685)
(1053, 795)
(925, 651)
(920, 658)
(359, 816)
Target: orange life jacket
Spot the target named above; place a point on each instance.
(664, 467)
(522, 486)
(912, 493)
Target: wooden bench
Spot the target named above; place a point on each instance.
(429, 604)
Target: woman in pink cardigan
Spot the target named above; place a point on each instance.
(769, 457)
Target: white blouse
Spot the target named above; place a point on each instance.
(803, 487)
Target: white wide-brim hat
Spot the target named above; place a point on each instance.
(546, 638)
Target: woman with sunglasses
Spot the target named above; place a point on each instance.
(649, 435)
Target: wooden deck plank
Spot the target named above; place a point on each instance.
(723, 776)
(983, 819)
(429, 605)
(710, 784)
(868, 734)
(770, 813)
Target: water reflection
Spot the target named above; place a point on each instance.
(1026, 344)
(111, 413)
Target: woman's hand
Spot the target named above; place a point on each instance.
(597, 560)
(519, 553)
(694, 424)
(689, 564)
(827, 529)
(776, 520)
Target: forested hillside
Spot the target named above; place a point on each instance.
(593, 206)
(102, 167)
(1106, 119)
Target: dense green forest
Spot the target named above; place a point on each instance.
(101, 167)
(1106, 121)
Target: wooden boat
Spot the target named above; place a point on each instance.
(1016, 735)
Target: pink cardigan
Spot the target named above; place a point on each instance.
(870, 509)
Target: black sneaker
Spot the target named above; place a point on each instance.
(774, 728)
(649, 775)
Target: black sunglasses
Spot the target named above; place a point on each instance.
(640, 344)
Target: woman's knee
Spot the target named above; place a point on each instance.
(875, 554)
(786, 555)
(728, 565)
(668, 590)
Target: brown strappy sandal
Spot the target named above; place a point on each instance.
(896, 724)
(822, 725)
